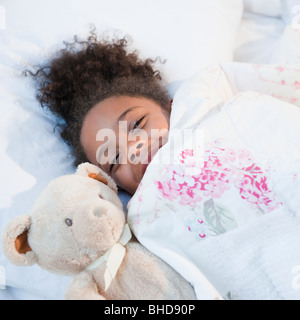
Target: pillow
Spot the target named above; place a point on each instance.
(188, 34)
(265, 7)
(291, 13)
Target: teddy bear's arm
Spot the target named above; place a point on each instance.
(83, 287)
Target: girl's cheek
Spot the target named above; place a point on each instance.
(123, 177)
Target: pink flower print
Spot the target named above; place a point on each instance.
(223, 156)
(190, 182)
(230, 155)
(179, 186)
(174, 185)
(253, 188)
(166, 189)
(244, 159)
(205, 176)
(189, 198)
(221, 169)
(247, 190)
(213, 190)
(179, 178)
(244, 181)
(187, 153)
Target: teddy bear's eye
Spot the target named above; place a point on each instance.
(68, 222)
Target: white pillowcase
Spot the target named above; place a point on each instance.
(188, 34)
(265, 7)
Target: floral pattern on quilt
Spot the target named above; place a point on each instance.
(223, 169)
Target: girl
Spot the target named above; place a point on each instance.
(93, 85)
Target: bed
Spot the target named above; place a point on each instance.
(31, 151)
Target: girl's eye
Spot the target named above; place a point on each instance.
(137, 124)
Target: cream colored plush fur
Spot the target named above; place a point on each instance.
(76, 220)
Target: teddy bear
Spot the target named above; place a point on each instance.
(77, 227)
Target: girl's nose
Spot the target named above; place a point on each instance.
(135, 152)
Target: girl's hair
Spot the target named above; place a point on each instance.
(87, 72)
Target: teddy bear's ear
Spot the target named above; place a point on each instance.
(15, 242)
(89, 170)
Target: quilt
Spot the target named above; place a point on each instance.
(220, 201)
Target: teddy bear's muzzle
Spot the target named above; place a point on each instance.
(98, 224)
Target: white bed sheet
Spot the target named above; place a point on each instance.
(257, 38)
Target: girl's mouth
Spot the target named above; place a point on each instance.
(146, 163)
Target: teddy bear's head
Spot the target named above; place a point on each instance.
(75, 220)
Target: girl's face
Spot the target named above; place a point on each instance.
(118, 135)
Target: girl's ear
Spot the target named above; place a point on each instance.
(15, 242)
(89, 170)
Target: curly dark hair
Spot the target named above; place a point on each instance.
(87, 72)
